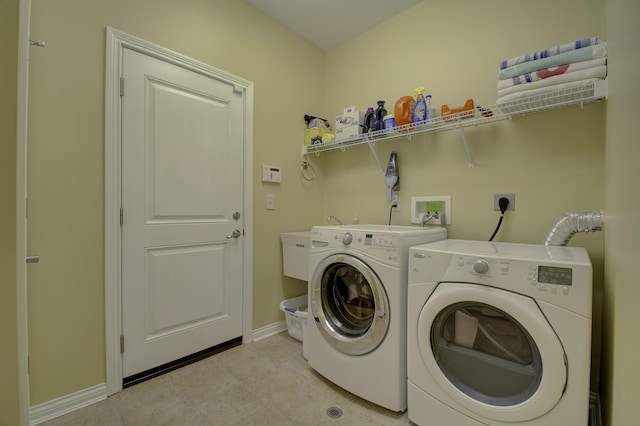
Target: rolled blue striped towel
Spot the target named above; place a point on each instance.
(579, 55)
(556, 50)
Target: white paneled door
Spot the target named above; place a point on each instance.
(182, 200)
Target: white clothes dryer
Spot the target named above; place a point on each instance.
(498, 334)
(356, 332)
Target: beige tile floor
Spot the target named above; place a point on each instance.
(262, 383)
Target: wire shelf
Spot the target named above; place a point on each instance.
(589, 92)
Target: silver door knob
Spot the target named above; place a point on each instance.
(235, 234)
(33, 259)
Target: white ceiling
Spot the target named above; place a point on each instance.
(328, 23)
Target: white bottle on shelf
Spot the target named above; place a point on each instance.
(431, 110)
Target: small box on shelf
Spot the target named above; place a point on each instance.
(349, 123)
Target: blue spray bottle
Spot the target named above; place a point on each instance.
(420, 111)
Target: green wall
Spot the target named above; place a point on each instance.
(621, 342)
(9, 412)
(553, 161)
(66, 160)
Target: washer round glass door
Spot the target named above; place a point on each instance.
(492, 351)
(349, 304)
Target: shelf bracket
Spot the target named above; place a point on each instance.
(372, 147)
(466, 146)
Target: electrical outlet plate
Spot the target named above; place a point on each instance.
(509, 196)
(395, 199)
(420, 206)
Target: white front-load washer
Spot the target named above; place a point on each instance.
(356, 332)
(498, 334)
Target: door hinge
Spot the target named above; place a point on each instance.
(121, 86)
(28, 365)
(122, 343)
(121, 216)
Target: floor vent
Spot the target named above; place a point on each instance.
(334, 412)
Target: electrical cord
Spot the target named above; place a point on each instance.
(391, 211)
(503, 203)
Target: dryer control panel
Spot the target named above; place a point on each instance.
(501, 272)
(558, 275)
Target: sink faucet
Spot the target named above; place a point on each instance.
(428, 216)
(334, 218)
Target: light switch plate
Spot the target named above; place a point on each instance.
(271, 202)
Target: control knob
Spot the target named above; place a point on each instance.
(481, 266)
(347, 238)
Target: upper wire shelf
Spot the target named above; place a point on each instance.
(589, 92)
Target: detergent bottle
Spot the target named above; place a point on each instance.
(378, 117)
(403, 112)
(368, 120)
(420, 110)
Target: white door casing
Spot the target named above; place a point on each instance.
(184, 236)
(22, 113)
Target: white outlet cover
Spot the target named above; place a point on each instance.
(418, 207)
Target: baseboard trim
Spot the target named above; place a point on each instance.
(268, 331)
(66, 404)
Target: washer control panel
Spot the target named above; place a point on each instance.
(383, 246)
(347, 238)
(554, 279)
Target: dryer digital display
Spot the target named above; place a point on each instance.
(554, 275)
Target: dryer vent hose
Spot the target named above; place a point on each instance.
(572, 223)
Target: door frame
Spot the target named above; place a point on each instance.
(24, 25)
(116, 42)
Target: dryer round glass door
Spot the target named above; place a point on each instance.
(349, 304)
(492, 351)
(486, 353)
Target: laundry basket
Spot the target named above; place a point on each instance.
(295, 312)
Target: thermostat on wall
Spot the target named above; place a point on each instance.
(271, 174)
